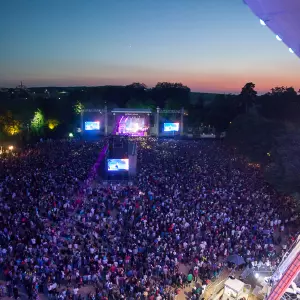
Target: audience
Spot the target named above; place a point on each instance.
(192, 204)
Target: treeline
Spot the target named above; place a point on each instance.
(269, 135)
(60, 110)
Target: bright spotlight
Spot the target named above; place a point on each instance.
(10, 148)
(262, 22)
(278, 38)
(256, 275)
(71, 135)
(291, 50)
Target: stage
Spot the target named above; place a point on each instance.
(132, 122)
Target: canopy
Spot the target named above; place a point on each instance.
(236, 259)
(282, 17)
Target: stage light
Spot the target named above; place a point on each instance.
(71, 135)
(278, 38)
(256, 275)
(291, 50)
(10, 148)
(262, 22)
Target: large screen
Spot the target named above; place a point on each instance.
(133, 126)
(118, 164)
(92, 125)
(171, 127)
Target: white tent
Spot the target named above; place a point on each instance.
(233, 288)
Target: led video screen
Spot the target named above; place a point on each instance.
(171, 127)
(118, 164)
(133, 126)
(92, 125)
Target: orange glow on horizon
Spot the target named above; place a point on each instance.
(206, 83)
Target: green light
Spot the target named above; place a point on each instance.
(71, 135)
(38, 121)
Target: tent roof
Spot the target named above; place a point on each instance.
(234, 284)
(282, 17)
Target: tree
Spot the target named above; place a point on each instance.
(283, 170)
(221, 112)
(113, 95)
(134, 103)
(38, 122)
(280, 104)
(269, 135)
(253, 135)
(278, 91)
(138, 92)
(282, 90)
(173, 95)
(247, 96)
(52, 123)
(137, 85)
(9, 124)
(78, 107)
(138, 103)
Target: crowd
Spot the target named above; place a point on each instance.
(67, 236)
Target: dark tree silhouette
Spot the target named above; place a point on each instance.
(282, 103)
(170, 95)
(248, 96)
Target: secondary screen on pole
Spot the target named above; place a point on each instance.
(171, 127)
(92, 125)
(118, 164)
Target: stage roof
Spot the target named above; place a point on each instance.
(132, 110)
(282, 17)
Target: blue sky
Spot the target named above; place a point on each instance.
(209, 45)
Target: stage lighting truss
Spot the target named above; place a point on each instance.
(88, 110)
(170, 111)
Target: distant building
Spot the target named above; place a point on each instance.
(21, 92)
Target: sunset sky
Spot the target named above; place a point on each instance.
(208, 45)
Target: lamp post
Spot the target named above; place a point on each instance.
(157, 121)
(181, 121)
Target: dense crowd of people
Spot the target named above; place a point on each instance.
(192, 204)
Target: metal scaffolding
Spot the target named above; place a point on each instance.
(169, 111)
(95, 110)
(159, 112)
